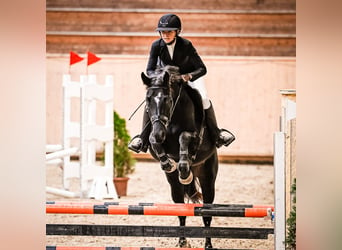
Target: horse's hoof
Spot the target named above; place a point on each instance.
(187, 180)
(183, 169)
(169, 167)
(184, 243)
(208, 246)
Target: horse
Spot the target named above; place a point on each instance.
(180, 140)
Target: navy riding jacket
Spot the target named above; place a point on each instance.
(185, 57)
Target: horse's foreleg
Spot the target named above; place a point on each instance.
(185, 175)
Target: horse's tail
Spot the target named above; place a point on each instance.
(192, 193)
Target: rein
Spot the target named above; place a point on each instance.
(174, 106)
(136, 109)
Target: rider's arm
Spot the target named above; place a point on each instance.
(198, 65)
(153, 58)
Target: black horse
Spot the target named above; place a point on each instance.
(180, 141)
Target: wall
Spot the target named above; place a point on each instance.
(244, 91)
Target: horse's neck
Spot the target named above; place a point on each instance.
(184, 103)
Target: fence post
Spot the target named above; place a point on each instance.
(279, 191)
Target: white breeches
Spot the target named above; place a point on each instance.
(200, 86)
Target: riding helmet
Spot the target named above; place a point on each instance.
(169, 22)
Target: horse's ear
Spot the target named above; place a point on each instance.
(146, 80)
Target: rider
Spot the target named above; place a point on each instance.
(171, 49)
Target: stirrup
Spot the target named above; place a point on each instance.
(134, 147)
(224, 141)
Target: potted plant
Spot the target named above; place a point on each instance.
(123, 159)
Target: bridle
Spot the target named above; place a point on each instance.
(163, 119)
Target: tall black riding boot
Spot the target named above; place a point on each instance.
(221, 136)
(141, 142)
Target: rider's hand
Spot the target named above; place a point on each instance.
(186, 77)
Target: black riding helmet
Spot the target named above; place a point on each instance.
(169, 22)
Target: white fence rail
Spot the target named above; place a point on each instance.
(96, 180)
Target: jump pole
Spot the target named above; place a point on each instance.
(160, 210)
(49, 148)
(61, 192)
(116, 203)
(55, 155)
(129, 248)
(158, 231)
(61, 153)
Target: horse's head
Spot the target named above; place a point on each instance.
(160, 101)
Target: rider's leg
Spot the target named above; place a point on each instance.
(221, 136)
(141, 142)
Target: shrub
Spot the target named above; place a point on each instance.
(290, 240)
(123, 159)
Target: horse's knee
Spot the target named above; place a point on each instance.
(169, 165)
(185, 138)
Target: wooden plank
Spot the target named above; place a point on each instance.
(158, 231)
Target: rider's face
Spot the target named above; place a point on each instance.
(168, 36)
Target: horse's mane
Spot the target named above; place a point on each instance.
(173, 71)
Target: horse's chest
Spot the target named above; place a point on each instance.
(173, 130)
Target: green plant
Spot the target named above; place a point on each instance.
(123, 159)
(290, 240)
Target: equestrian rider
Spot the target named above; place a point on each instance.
(171, 49)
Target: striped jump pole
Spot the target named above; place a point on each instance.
(116, 203)
(130, 248)
(160, 209)
(158, 231)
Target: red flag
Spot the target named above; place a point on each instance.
(92, 58)
(74, 58)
